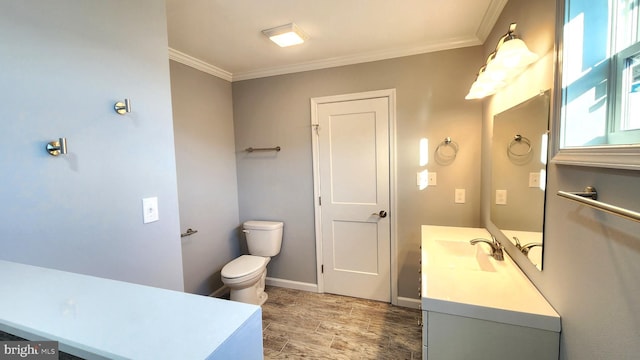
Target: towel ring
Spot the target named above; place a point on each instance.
(444, 157)
(519, 139)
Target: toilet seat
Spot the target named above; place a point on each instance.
(243, 266)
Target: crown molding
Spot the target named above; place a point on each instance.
(489, 19)
(198, 64)
(356, 59)
(321, 64)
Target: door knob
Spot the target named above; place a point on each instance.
(382, 214)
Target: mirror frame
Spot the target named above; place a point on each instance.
(608, 156)
(505, 232)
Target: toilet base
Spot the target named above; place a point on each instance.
(252, 294)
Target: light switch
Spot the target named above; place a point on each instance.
(460, 196)
(501, 197)
(150, 210)
(423, 179)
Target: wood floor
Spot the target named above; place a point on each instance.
(305, 325)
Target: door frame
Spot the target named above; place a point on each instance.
(390, 94)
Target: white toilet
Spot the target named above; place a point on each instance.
(245, 275)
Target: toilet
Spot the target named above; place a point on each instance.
(246, 275)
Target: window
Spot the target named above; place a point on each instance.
(600, 74)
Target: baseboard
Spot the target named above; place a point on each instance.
(221, 292)
(296, 285)
(409, 302)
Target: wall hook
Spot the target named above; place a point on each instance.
(123, 107)
(56, 148)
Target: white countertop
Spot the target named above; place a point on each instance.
(500, 293)
(100, 318)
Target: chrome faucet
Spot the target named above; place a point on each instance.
(496, 247)
(525, 248)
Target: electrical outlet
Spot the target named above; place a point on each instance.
(534, 180)
(150, 210)
(460, 196)
(501, 197)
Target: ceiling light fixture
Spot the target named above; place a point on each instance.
(286, 35)
(511, 57)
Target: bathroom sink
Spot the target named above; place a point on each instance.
(460, 255)
(461, 279)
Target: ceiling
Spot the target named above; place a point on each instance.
(223, 37)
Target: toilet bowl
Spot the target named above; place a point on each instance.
(245, 276)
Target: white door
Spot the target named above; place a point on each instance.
(353, 167)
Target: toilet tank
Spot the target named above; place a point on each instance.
(264, 238)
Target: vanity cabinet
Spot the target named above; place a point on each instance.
(447, 336)
(476, 307)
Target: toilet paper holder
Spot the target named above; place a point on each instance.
(189, 232)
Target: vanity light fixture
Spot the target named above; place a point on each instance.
(509, 59)
(122, 107)
(56, 148)
(286, 35)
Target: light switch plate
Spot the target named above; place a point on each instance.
(501, 197)
(150, 210)
(460, 196)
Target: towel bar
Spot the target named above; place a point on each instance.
(589, 197)
(250, 149)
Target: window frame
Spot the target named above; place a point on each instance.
(625, 156)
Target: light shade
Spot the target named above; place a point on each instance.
(286, 35)
(510, 58)
(514, 53)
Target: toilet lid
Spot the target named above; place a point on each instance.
(244, 265)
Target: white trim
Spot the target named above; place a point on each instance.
(409, 302)
(201, 65)
(198, 64)
(289, 284)
(613, 157)
(314, 102)
(356, 59)
(224, 289)
(393, 188)
(489, 19)
(316, 192)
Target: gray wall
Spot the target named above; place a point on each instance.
(207, 184)
(591, 259)
(430, 103)
(64, 65)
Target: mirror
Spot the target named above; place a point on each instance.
(519, 157)
(600, 85)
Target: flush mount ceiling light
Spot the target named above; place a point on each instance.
(286, 35)
(509, 59)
